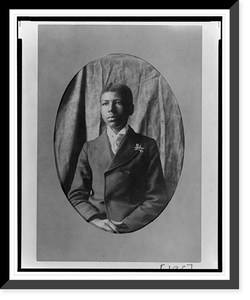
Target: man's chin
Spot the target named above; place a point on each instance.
(115, 126)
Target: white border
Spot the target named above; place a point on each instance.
(117, 12)
(13, 143)
(13, 163)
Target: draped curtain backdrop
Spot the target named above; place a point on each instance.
(156, 114)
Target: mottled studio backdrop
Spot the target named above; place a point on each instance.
(156, 114)
(176, 52)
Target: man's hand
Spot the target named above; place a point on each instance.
(105, 225)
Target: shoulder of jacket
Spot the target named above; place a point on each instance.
(92, 143)
(146, 139)
(86, 145)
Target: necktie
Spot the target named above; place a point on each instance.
(117, 143)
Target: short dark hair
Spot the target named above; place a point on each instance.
(122, 89)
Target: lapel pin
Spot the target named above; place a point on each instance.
(139, 148)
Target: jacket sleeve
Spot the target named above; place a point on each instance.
(156, 198)
(82, 186)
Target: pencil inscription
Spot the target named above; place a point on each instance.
(175, 267)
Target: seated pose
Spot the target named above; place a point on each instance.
(119, 184)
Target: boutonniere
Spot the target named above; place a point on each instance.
(139, 148)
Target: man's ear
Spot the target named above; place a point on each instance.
(131, 109)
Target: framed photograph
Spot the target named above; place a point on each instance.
(122, 152)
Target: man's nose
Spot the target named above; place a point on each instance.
(111, 107)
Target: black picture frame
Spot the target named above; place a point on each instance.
(234, 282)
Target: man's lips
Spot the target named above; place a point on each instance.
(112, 118)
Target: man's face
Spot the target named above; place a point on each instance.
(115, 110)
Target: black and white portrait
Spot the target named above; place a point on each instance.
(119, 143)
(125, 165)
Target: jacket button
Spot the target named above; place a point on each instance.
(127, 172)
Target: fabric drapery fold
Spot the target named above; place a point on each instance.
(156, 114)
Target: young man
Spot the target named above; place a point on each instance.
(118, 184)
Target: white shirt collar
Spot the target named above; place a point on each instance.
(112, 136)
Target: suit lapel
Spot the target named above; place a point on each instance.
(102, 150)
(126, 150)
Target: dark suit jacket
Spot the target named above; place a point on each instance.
(128, 186)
